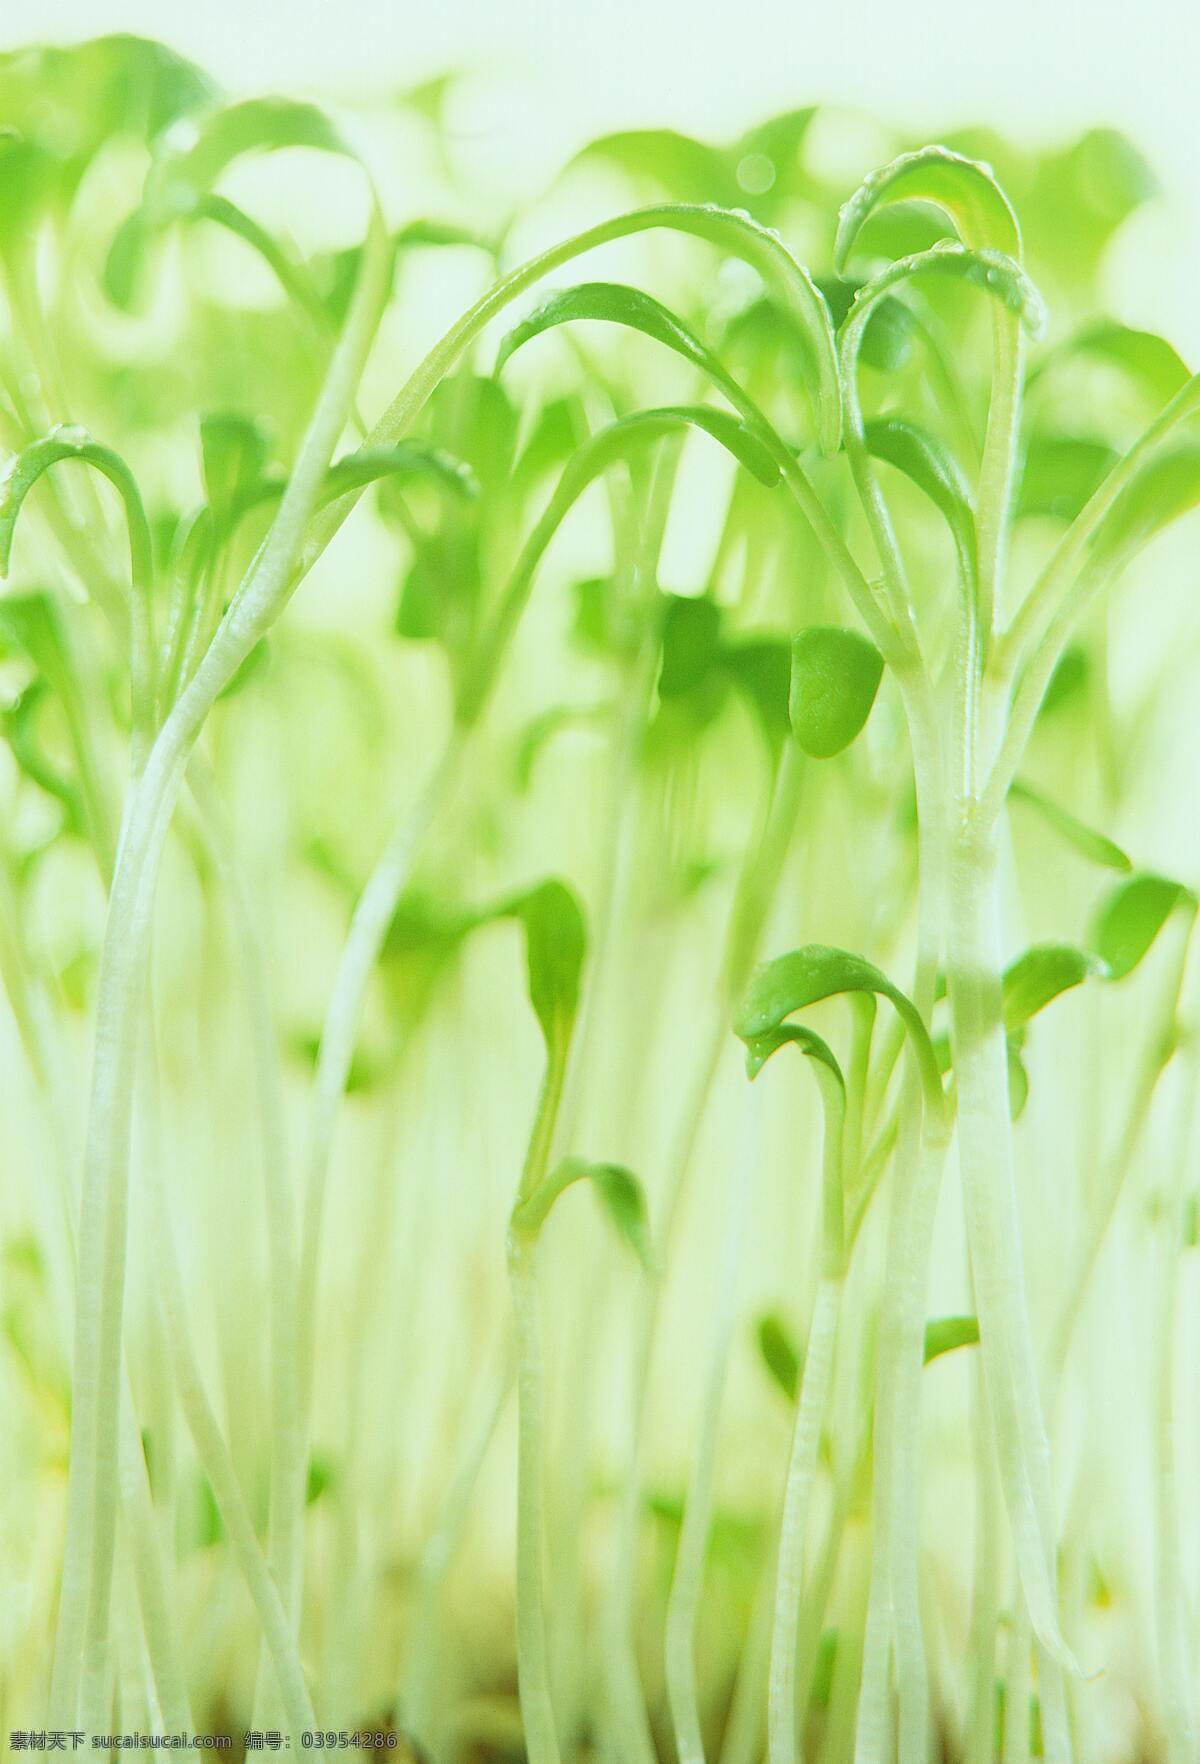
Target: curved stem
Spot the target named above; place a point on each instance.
(92, 1486)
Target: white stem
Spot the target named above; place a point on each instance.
(802, 1466)
(533, 1664)
(989, 1193)
(687, 1582)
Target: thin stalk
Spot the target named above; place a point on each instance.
(368, 927)
(893, 1605)
(533, 1655)
(989, 1191)
(217, 1464)
(687, 1581)
(782, 1709)
(1102, 1207)
(742, 1742)
(979, 1743)
(1174, 1642)
(416, 1705)
(806, 1434)
(288, 1461)
(1018, 1683)
(92, 1479)
(533, 1663)
(757, 886)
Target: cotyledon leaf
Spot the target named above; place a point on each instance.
(611, 446)
(944, 1334)
(1041, 974)
(835, 676)
(1131, 917)
(779, 1353)
(804, 977)
(1087, 841)
(367, 465)
(555, 946)
(963, 188)
(679, 164)
(933, 469)
(1125, 928)
(233, 457)
(69, 441)
(993, 272)
(193, 157)
(197, 154)
(1145, 359)
(615, 303)
(1166, 488)
(620, 1194)
(1060, 474)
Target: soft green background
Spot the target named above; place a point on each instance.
(554, 74)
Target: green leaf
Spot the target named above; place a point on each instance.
(759, 1048)
(624, 1201)
(804, 977)
(33, 624)
(1131, 918)
(555, 946)
(1089, 843)
(790, 281)
(1018, 1077)
(1041, 974)
(618, 1190)
(539, 731)
(760, 668)
(992, 272)
(65, 442)
(63, 104)
(964, 189)
(614, 303)
(473, 416)
(400, 459)
(691, 643)
(1148, 361)
(440, 598)
(1079, 198)
(20, 720)
(1060, 474)
(233, 453)
(932, 468)
(253, 126)
(611, 446)
(944, 1334)
(765, 328)
(835, 676)
(1068, 680)
(321, 1476)
(678, 164)
(779, 1353)
(629, 434)
(438, 233)
(559, 428)
(602, 622)
(1166, 488)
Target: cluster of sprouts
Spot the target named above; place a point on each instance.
(751, 624)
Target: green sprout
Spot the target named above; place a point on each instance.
(771, 566)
